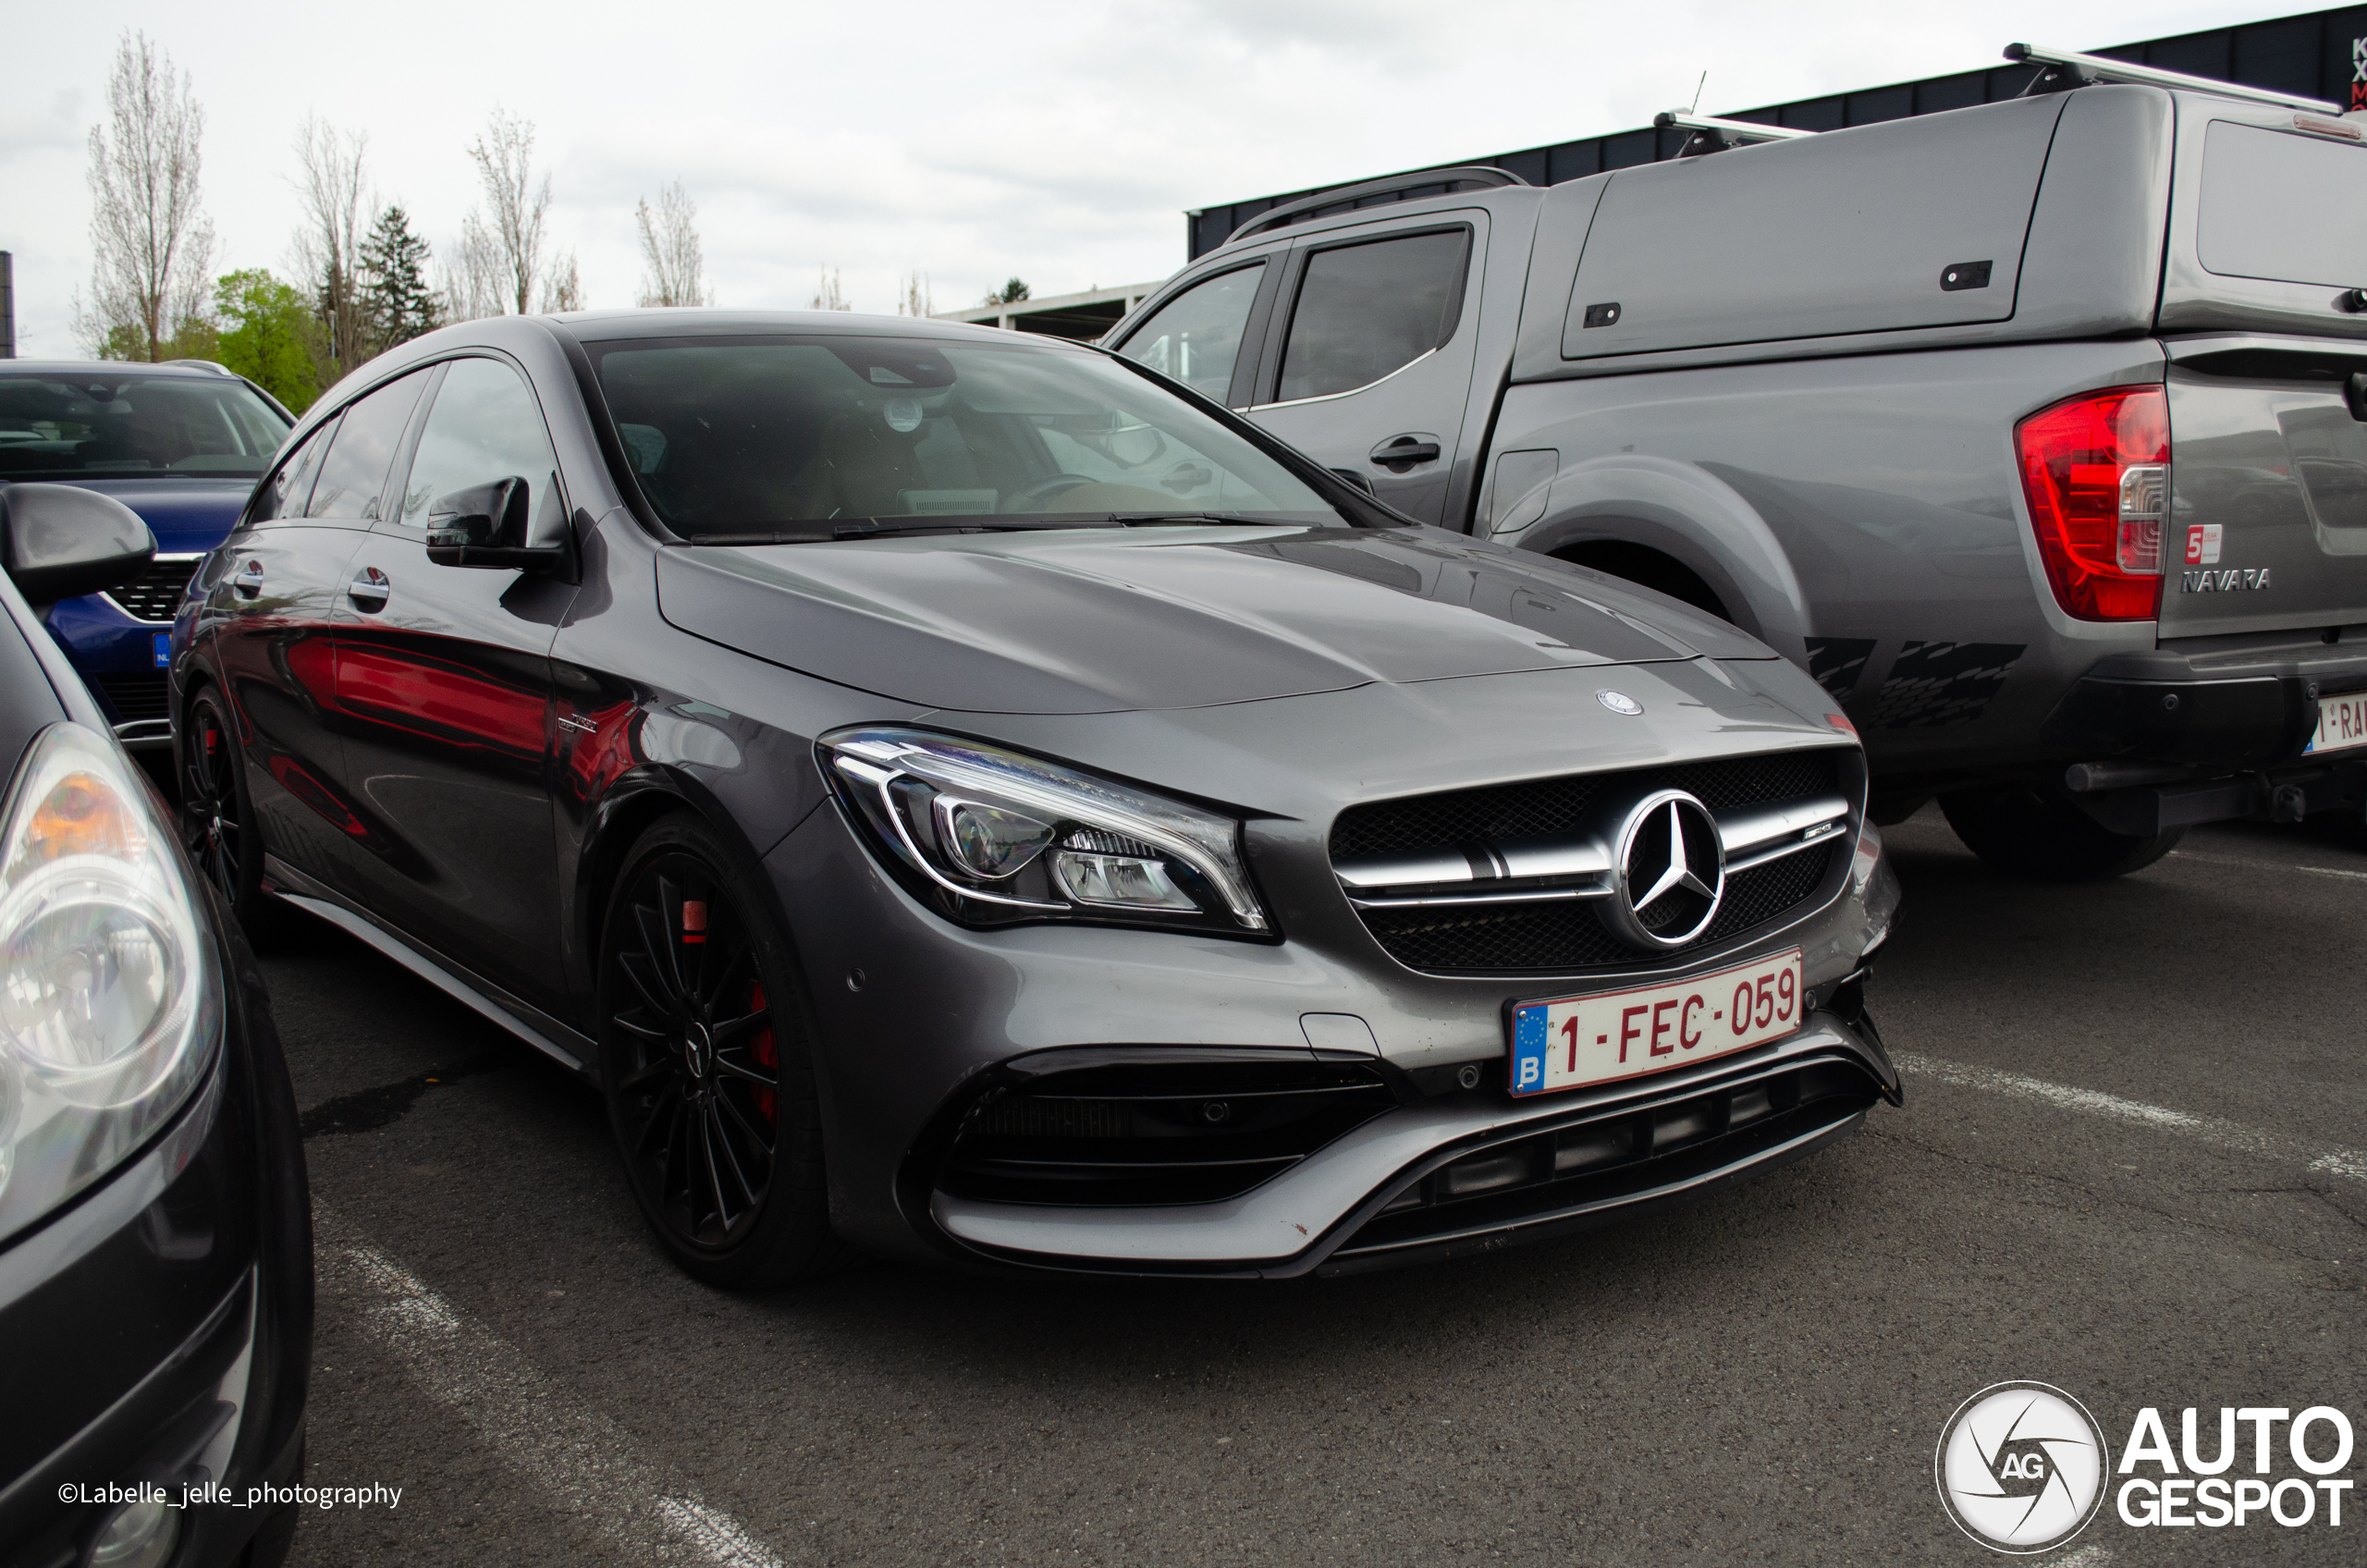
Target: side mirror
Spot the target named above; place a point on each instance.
(485, 526)
(58, 541)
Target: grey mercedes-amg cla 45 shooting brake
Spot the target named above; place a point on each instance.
(961, 795)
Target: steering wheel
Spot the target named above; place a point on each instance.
(1035, 496)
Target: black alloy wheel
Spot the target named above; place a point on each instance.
(705, 1067)
(217, 822)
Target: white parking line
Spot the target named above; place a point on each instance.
(578, 1456)
(2249, 864)
(2094, 1102)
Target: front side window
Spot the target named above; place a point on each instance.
(89, 424)
(285, 494)
(485, 427)
(353, 476)
(1365, 311)
(735, 434)
(1196, 338)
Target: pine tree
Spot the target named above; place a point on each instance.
(395, 296)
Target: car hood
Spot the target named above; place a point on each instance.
(188, 515)
(1108, 620)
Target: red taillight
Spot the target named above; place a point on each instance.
(2096, 472)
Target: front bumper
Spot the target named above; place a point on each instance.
(918, 1020)
(159, 1327)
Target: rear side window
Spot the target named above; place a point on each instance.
(1366, 310)
(353, 476)
(2284, 207)
(1196, 338)
(485, 427)
(284, 495)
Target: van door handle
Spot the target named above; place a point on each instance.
(248, 580)
(1406, 451)
(369, 590)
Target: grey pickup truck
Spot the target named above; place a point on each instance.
(2037, 431)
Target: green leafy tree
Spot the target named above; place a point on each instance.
(270, 334)
(1010, 293)
(397, 299)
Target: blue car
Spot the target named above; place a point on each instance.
(183, 444)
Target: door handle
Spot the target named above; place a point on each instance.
(369, 589)
(1400, 452)
(248, 580)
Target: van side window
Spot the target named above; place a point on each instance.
(1195, 336)
(284, 495)
(1366, 310)
(353, 476)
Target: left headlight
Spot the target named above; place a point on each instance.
(991, 837)
(109, 1002)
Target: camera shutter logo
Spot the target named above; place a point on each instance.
(2021, 1468)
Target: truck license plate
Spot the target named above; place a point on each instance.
(2342, 723)
(1570, 1042)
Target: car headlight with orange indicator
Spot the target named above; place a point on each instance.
(110, 1000)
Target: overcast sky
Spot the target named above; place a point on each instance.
(967, 142)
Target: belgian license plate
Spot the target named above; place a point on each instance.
(2342, 723)
(1572, 1041)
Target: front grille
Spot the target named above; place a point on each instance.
(155, 593)
(1601, 1162)
(1559, 805)
(1157, 1133)
(1568, 937)
(137, 697)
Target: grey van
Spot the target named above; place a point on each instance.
(2036, 431)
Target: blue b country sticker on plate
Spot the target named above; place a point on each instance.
(163, 641)
(1529, 1040)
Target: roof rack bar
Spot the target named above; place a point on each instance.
(2082, 71)
(1711, 134)
(1467, 177)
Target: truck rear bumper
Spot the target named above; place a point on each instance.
(2170, 738)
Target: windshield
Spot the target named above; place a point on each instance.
(806, 436)
(80, 424)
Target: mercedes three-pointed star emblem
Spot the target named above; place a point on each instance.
(1672, 872)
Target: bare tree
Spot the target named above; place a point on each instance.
(562, 290)
(472, 275)
(913, 297)
(505, 160)
(671, 265)
(331, 190)
(153, 246)
(828, 295)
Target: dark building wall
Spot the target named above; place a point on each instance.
(2321, 55)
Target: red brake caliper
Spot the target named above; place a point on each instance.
(763, 1051)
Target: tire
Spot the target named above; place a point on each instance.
(218, 820)
(2036, 834)
(697, 989)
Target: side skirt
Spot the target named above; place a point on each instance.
(530, 1024)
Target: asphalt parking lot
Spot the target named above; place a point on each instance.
(2128, 1166)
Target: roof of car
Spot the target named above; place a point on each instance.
(205, 368)
(692, 321)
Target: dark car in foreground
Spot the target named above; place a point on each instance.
(964, 797)
(181, 444)
(156, 1251)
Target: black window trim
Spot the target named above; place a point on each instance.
(390, 521)
(1270, 369)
